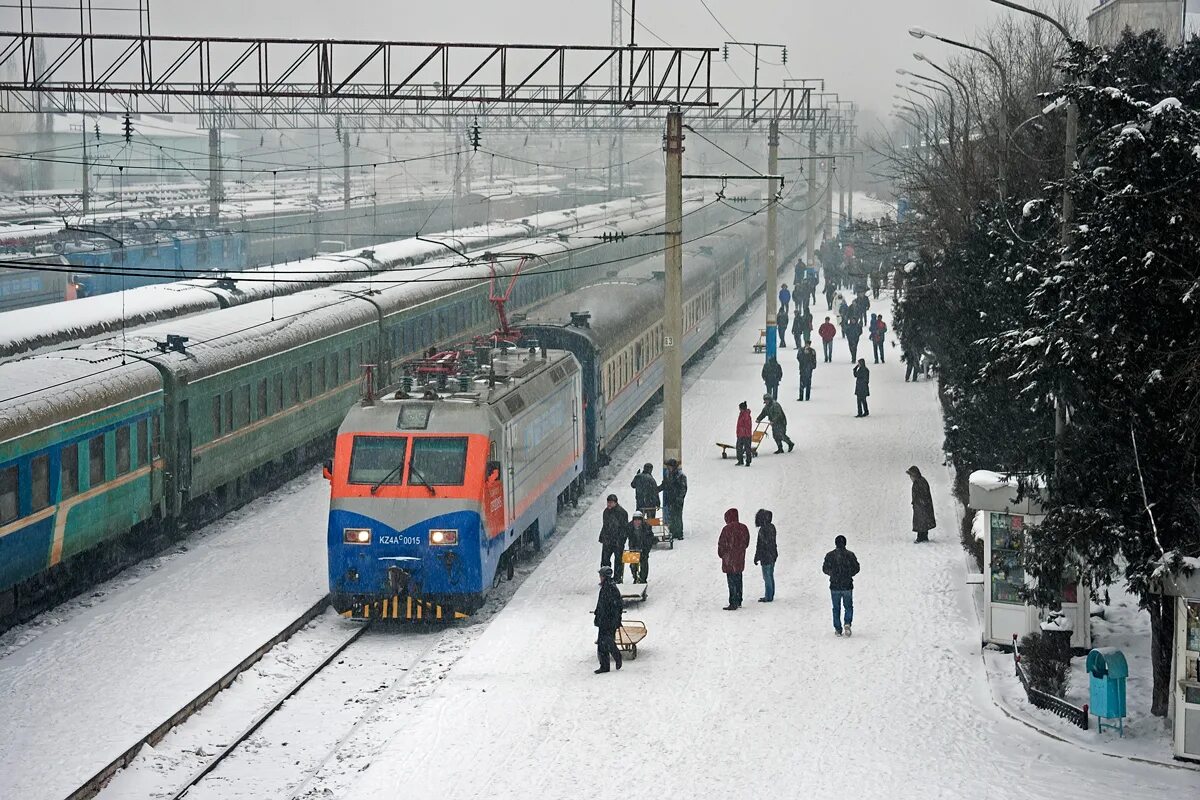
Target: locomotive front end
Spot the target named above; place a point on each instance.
(408, 533)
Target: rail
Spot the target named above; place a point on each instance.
(97, 782)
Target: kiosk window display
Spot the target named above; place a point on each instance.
(1007, 575)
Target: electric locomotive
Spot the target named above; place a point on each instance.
(434, 493)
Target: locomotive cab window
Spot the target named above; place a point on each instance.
(378, 460)
(440, 461)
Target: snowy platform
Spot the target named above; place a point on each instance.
(89, 679)
(764, 698)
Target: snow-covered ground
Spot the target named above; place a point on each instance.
(765, 698)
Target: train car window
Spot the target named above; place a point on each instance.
(155, 437)
(413, 417)
(39, 489)
(227, 414)
(143, 442)
(320, 379)
(293, 386)
(262, 398)
(68, 480)
(378, 459)
(441, 461)
(8, 494)
(277, 389)
(96, 461)
(306, 380)
(241, 411)
(123, 454)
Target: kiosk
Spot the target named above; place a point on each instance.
(1185, 695)
(1007, 524)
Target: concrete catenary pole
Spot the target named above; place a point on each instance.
(810, 206)
(673, 302)
(850, 183)
(842, 189)
(214, 175)
(831, 168)
(771, 263)
(346, 171)
(85, 186)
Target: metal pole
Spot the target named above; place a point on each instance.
(346, 170)
(771, 263)
(86, 192)
(810, 207)
(850, 187)
(842, 192)
(1066, 236)
(673, 319)
(214, 175)
(830, 231)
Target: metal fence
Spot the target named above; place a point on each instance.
(1068, 711)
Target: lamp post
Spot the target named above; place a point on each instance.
(1002, 128)
(966, 102)
(1068, 202)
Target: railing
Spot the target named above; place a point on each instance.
(1056, 705)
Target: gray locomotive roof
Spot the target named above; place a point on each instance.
(45, 390)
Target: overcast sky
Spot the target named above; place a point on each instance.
(856, 45)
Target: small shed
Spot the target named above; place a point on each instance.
(1185, 696)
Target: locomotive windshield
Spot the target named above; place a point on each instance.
(441, 461)
(378, 460)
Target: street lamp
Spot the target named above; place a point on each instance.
(966, 106)
(1002, 128)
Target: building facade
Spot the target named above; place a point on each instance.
(1109, 19)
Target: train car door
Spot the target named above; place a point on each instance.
(183, 452)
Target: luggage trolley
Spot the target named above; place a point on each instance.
(756, 438)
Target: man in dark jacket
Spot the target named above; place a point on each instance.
(844, 313)
(641, 541)
(841, 565)
(773, 412)
(608, 618)
(922, 505)
(772, 374)
(785, 295)
(781, 326)
(731, 549)
(878, 336)
(645, 490)
(830, 292)
(805, 327)
(613, 532)
(808, 363)
(766, 553)
(853, 334)
(745, 445)
(674, 489)
(862, 387)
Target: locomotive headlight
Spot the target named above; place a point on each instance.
(356, 535)
(443, 538)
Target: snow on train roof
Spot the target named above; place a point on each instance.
(32, 329)
(48, 389)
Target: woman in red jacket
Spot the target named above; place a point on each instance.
(731, 548)
(744, 428)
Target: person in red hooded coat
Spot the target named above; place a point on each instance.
(745, 427)
(731, 548)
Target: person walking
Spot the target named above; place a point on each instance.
(841, 565)
(745, 446)
(785, 295)
(674, 490)
(860, 307)
(641, 541)
(772, 374)
(609, 608)
(731, 549)
(830, 292)
(922, 505)
(806, 327)
(781, 326)
(853, 334)
(810, 281)
(827, 331)
(911, 357)
(844, 313)
(773, 412)
(645, 491)
(766, 553)
(808, 363)
(878, 333)
(876, 282)
(614, 530)
(862, 387)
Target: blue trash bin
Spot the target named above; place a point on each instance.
(1107, 672)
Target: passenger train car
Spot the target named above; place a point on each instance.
(174, 422)
(412, 550)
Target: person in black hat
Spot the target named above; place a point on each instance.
(613, 532)
(608, 618)
(645, 491)
(641, 541)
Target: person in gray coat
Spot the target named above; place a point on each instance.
(922, 505)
